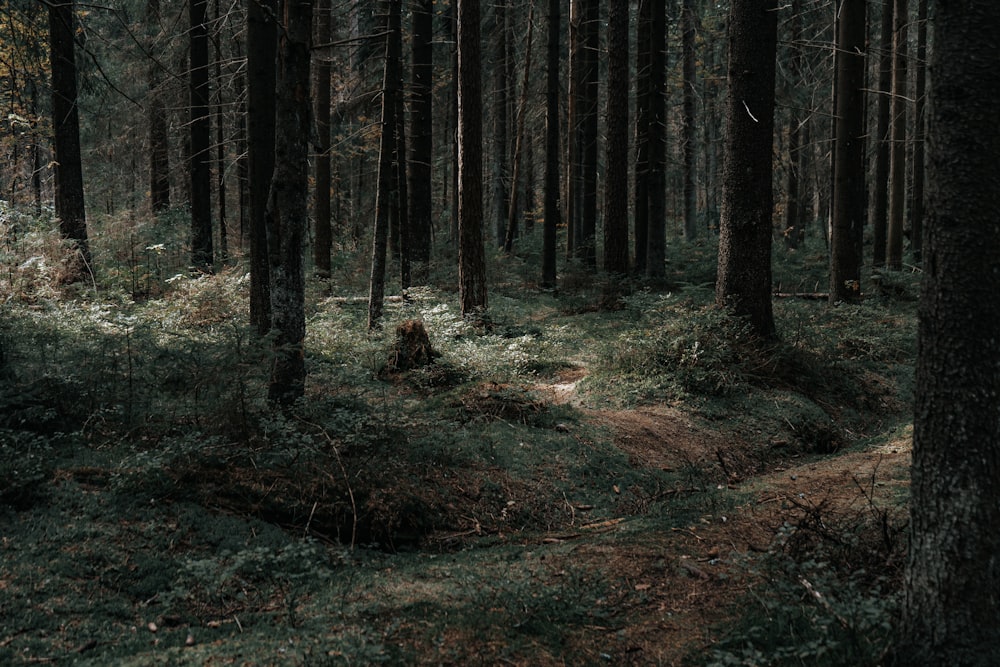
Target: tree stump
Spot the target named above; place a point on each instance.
(411, 349)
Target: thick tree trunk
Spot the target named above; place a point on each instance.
(917, 204)
(793, 224)
(951, 609)
(471, 254)
(69, 201)
(321, 194)
(200, 130)
(552, 217)
(220, 146)
(501, 83)
(880, 205)
(616, 174)
(387, 194)
(642, 95)
(846, 255)
(744, 281)
(587, 249)
(159, 146)
(688, 34)
(657, 129)
(262, 47)
(421, 135)
(897, 152)
(287, 210)
(574, 142)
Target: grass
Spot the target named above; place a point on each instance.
(153, 510)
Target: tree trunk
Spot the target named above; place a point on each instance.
(552, 217)
(917, 205)
(642, 98)
(616, 175)
(574, 144)
(514, 207)
(897, 152)
(846, 238)
(688, 35)
(159, 146)
(880, 206)
(587, 249)
(69, 202)
(501, 83)
(201, 140)
(793, 224)
(321, 193)
(386, 196)
(287, 209)
(744, 281)
(471, 254)
(262, 47)
(951, 613)
(421, 135)
(220, 146)
(657, 129)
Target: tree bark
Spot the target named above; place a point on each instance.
(951, 608)
(262, 48)
(513, 209)
(880, 205)
(642, 95)
(793, 224)
(421, 135)
(322, 190)
(587, 249)
(501, 83)
(688, 35)
(919, 136)
(287, 210)
(657, 128)
(744, 280)
(159, 143)
(69, 200)
(200, 129)
(471, 254)
(846, 238)
(616, 174)
(897, 151)
(552, 214)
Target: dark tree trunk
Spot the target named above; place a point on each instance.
(897, 152)
(471, 254)
(744, 281)
(616, 175)
(642, 95)
(322, 192)
(201, 140)
(587, 249)
(552, 217)
(951, 612)
(159, 145)
(793, 224)
(421, 135)
(688, 34)
(387, 194)
(69, 202)
(657, 224)
(262, 47)
(501, 83)
(519, 148)
(401, 208)
(574, 143)
(220, 146)
(880, 206)
(287, 216)
(917, 205)
(849, 150)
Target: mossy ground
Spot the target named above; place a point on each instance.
(571, 485)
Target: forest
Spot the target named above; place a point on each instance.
(531, 332)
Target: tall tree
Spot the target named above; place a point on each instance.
(552, 217)
(287, 217)
(616, 175)
(421, 134)
(657, 139)
(70, 206)
(262, 49)
(499, 176)
(322, 190)
(574, 127)
(471, 254)
(897, 149)
(919, 135)
(744, 280)
(513, 209)
(587, 248)
(642, 97)
(880, 205)
(689, 149)
(200, 128)
(846, 233)
(220, 142)
(159, 144)
(793, 231)
(387, 194)
(951, 613)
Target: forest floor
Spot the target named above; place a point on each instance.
(658, 495)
